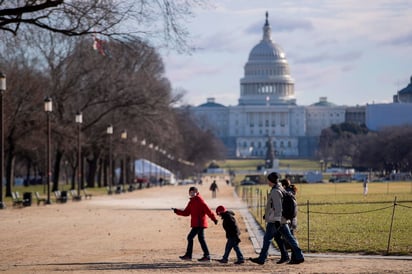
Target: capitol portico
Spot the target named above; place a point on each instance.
(267, 109)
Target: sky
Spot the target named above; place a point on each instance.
(352, 52)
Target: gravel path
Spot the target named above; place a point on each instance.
(137, 232)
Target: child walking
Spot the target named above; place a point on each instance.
(232, 234)
(198, 209)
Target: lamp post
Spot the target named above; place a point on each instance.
(123, 136)
(110, 133)
(79, 121)
(2, 90)
(134, 157)
(48, 108)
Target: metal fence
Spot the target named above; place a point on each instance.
(361, 227)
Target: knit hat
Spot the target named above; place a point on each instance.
(220, 209)
(273, 177)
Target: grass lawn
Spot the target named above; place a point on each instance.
(338, 218)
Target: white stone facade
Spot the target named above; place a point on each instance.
(267, 108)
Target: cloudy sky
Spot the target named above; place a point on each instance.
(353, 52)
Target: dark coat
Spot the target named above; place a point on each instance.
(230, 225)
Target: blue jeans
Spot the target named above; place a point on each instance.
(284, 234)
(232, 243)
(199, 231)
(273, 232)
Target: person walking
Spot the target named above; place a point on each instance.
(292, 189)
(197, 208)
(213, 188)
(277, 226)
(365, 185)
(293, 224)
(232, 235)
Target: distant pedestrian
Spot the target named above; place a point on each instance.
(277, 226)
(365, 185)
(214, 188)
(197, 208)
(232, 235)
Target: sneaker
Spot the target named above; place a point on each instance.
(223, 261)
(240, 262)
(297, 261)
(282, 260)
(185, 258)
(256, 261)
(204, 259)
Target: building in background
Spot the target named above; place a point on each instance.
(267, 109)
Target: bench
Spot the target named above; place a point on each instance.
(17, 201)
(39, 199)
(74, 195)
(87, 195)
(59, 197)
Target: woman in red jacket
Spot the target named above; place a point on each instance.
(197, 209)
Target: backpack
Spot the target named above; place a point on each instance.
(289, 205)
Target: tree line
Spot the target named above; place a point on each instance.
(386, 150)
(119, 82)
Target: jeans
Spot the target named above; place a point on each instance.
(283, 231)
(284, 234)
(233, 243)
(199, 231)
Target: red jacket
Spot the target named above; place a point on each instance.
(197, 209)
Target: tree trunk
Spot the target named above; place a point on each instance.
(100, 174)
(92, 169)
(28, 168)
(73, 177)
(9, 166)
(56, 169)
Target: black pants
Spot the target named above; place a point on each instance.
(199, 231)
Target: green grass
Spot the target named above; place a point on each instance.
(251, 164)
(341, 219)
(243, 164)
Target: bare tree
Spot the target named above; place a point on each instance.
(158, 21)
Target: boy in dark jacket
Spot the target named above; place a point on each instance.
(232, 234)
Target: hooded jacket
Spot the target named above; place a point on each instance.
(230, 225)
(197, 209)
(273, 212)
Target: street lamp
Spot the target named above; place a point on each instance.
(123, 136)
(2, 91)
(48, 108)
(109, 132)
(134, 156)
(79, 121)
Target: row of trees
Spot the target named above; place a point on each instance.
(386, 150)
(123, 85)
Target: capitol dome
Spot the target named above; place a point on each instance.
(267, 77)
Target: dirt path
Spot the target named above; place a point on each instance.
(136, 232)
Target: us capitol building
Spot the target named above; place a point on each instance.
(267, 110)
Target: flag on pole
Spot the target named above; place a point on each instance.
(99, 45)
